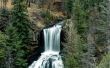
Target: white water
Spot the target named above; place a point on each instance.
(50, 58)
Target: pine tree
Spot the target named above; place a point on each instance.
(2, 49)
(68, 6)
(21, 22)
(108, 24)
(72, 47)
(86, 14)
(4, 18)
(14, 52)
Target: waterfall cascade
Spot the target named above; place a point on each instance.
(50, 58)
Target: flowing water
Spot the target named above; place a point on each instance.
(50, 58)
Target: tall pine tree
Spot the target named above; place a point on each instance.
(21, 22)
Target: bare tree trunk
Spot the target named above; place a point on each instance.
(28, 3)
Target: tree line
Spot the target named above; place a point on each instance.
(87, 34)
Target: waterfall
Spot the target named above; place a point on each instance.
(50, 58)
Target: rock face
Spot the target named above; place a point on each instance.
(36, 51)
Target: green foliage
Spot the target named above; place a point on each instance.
(105, 62)
(89, 17)
(19, 33)
(73, 48)
(88, 21)
(14, 46)
(4, 12)
(13, 39)
(20, 20)
(69, 6)
(81, 16)
(2, 49)
(4, 18)
(2, 46)
(13, 43)
(47, 16)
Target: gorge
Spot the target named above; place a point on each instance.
(50, 58)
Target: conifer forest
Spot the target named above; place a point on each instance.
(54, 33)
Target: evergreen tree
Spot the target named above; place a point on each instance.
(73, 47)
(15, 53)
(4, 18)
(20, 20)
(80, 15)
(21, 24)
(2, 49)
(69, 7)
(108, 24)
